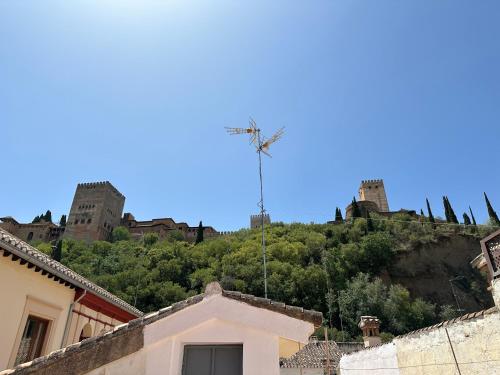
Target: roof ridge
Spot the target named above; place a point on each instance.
(62, 271)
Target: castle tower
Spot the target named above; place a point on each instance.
(374, 191)
(255, 220)
(96, 210)
(370, 325)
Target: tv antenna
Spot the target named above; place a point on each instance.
(261, 145)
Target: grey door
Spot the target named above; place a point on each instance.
(212, 360)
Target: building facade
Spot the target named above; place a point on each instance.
(374, 191)
(41, 231)
(256, 220)
(218, 332)
(96, 210)
(164, 227)
(46, 306)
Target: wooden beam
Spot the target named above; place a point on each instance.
(6, 253)
(44, 272)
(37, 269)
(14, 257)
(31, 265)
(23, 262)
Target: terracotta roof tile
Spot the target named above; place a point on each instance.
(27, 252)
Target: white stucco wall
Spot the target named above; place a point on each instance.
(18, 284)
(215, 320)
(380, 360)
(476, 344)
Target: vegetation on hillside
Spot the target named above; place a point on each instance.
(326, 267)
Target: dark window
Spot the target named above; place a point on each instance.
(33, 339)
(30, 236)
(212, 360)
(89, 221)
(76, 221)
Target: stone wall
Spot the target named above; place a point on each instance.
(473, 338)
(378, 360)
(96, 210)
(476, 344)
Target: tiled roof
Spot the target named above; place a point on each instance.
(313, 355)
(310, 316)
(27, 252)
(60, 356)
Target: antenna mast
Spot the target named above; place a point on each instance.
(262, 146)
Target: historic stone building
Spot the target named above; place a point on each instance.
(163, 227)
(372, 198)
(374, 191)
(96, 210)
(42, 231)
(255, 220)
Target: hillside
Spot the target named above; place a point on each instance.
(343, 270)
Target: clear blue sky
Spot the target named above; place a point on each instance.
(139, 92)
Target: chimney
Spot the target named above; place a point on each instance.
(370, 325)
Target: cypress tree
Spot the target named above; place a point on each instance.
(472, 216)
(429, 211)
(466, 219)
(491, 212)
(57, 251)
(356, 212)
(199, 234)
(48, 216)
(338, 215)
(369, 222)
(453, 217)
(36, 219)
(62, 221)
(446, 209)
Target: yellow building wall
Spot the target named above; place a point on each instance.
(289, 347)
(476, 343)
(22, 289)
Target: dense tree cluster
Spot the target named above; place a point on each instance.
(331, 268)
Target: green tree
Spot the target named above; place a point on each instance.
(120, 234)
(36, 219)
(62, 221)
(453, 217)
(491, 212)
(57, 251)
(448, 210)
(356, 212)
(338, 215)
(369, 222)
(199, 234)
(472, 217)
(429, 211)
(48, 216)
(466, 219)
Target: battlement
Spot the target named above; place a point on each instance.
(255, 220)
(375, 181)
(374, 191)
(98, 185)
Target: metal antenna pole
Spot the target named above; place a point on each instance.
(262, 146)
(261, 204)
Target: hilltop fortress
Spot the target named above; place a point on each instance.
(96, 210)
(372, 198)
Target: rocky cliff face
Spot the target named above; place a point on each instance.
(427, 270)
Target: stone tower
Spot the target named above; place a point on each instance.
(96, 210)
(374, 191)
(255, 220)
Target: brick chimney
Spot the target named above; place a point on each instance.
(370, 325)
